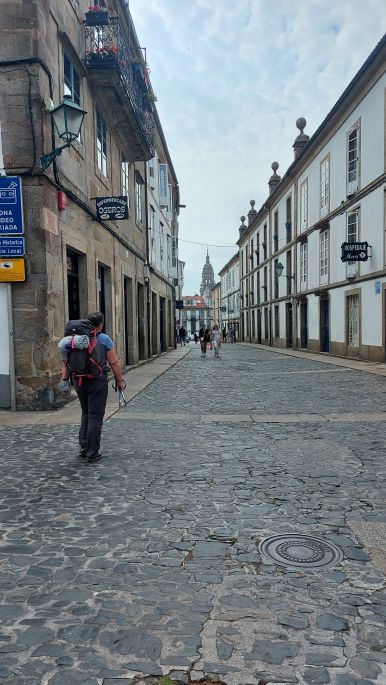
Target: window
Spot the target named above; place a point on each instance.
(138, 200)
(288, 219)
(152, 236)
(258, 249)
(71, 81)
(276, 279)
(304, 206)
(324, 250)
(353, 160)
(265, 241)
(258, 287)
(101, 143)
(303, 265)
(125, 178)
(277, 321)
(352, 268)
(163, 185)
(353, 320)
(161, 243)
(325, 187)
(276, 231)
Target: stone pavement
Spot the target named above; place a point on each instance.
(147, 563)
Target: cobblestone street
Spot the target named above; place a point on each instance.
(147, 563)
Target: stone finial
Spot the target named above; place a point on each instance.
(302, 139)
(252, 212)
(275, 178)
(242, 226)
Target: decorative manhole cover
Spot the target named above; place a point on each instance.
(300, 551)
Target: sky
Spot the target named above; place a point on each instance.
(231, 78)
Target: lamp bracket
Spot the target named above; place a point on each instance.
(46, 160)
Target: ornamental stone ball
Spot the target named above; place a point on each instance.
(301, 124)
(274, 167)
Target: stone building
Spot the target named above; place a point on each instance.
(75, 261)
(215, 307)
(299, 288)
(195, 313)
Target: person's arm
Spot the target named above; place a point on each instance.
(113, 361)
(65, 372)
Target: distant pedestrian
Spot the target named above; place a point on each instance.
(224, 334)
(203, 340)
(86, 352)
(182, 332)
(216, 339)
(196, 338)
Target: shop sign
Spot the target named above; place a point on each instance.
(11, 206)
(355, 252)
(112, 208)
(179, 304)
(12, 270)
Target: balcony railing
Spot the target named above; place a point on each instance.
(107, 52)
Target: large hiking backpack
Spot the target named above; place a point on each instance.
(86, 362)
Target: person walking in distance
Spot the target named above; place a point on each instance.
(203, 344)
(89, 377)
(182, 332)
(217, 339)
(224, 334)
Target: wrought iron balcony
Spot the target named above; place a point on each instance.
(125, 85)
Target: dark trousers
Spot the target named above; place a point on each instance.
(92, 396)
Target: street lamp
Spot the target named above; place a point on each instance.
(279, 270)
(67, 119)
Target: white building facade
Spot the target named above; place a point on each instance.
(230, 294)
(296, 291)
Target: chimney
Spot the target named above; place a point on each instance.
(252, 213)
(302, 139)
(275, 178)
(242, 227)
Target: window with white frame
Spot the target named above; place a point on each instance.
(353, 140)
(125, 178)
(324, 256)
(152, 236)
(161, 243)
(71, 86)
(353, 320)
(138, 200)
(303, 264)
(325, 187)
(101, 143)
(304, 206)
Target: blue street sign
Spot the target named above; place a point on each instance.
(11, 206)
(377, 287)
(11, 247)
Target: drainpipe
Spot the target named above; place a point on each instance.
(147, 269)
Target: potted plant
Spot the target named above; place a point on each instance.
(97, 16)
(102, 57)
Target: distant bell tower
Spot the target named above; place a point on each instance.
(208, 281)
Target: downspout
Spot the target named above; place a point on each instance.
(146, 267)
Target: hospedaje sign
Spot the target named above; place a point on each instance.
(11, 206)
(355, 252)
(112, 208)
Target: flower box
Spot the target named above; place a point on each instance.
(97, 17)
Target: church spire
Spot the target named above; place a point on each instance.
(207, 278)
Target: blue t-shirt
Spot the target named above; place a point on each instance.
(106, 341)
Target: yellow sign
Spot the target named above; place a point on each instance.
(12, 270)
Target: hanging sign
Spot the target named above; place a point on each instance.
(179, 304)
(11, 246)
(112, 208)
(355, 252)
(12, 270)
(11, 206)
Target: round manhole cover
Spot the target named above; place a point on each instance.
(300, 551)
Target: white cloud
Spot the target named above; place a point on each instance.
(231, 80)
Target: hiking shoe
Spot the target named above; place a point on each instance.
(94, 458)
(82, 453)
